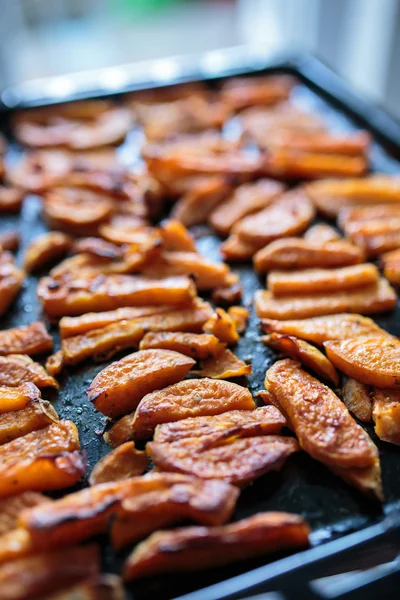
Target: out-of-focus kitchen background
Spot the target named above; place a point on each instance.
(360, 39)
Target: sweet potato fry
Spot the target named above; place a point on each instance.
(36, 576)
(293, 164)
(62, 297)
(239, 316)
(266, 420)
(227, 295)
(297, 253)
(198, 346)
(194, 207)
(318, 142)
(36, 415)
(54, 363)
(307, 354)
(191, 548)
(10, 240)
(391, 266)
(236, 460)
(19, 368)
(241, 93)
(372, 299)
(386, 415)
(11, 279)
(356, 398)
(10, 199)
(288, 215)
(122, 463)
(373, 361)
(190, 398)
(324, 426)
(375, 236)
(321, 233)
(224, 366)
(11, 507)
(176, 237)
(46, 248)
(125, 229)
(222, 326)
(97, 247)
(31, 339)
(236, 249)
(331, 327)
(361, 214)
(245, 200)
(102, 587)
(118, 388)
(16, 398)
(317, 281)
(48, 459)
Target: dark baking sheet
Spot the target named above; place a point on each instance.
(304, 486)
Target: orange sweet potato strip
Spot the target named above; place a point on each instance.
(375, 236)
(11, 279)
(18, 368)
(293, 164)
(318, 142)
(242, 92)
(46, 248)
(189, 398)
(386, 414)
(198, 346)
(201, 547)
(16, 398)
(321, 233)
(356, 397)
(361, 214)
(54, 363)
(176, 237)
(36, 415)
(194, 207)
(239, 316)
(122, 463)
(222, 326)
(118, 388)
(391, 266)
(11, 507)
(236, 249)
(224, 366)
(372, 299)
(31, 339)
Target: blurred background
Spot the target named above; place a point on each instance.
(360, 39)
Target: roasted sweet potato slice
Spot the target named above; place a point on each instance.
(11, 507)
(54, 363)
(266, 420)
(118, 388)
(46, 248)
(201, 547)
(11, 279)
(198, 346)
(371, 299)
(386, 414)
(316, 281)
(391, 266)
(357, 399)
(102, 587)
(297, 253)
(331, 327)
(375, 236)
(75, 297)
(361, 214)
(288, 215)
(97, 247)
(36, 415)
(16, 398)
(47, 459)
(321, 233)
(246, 199)
(222, 326)
(236, 249)
(227, 295)
(374, 361)
(242, 92)
(289, 163)
(224, 366)
(176, 237)
(239, 316)
(190, 398)
(36, 576)
(10, 240)
(319, 142)
(307, 354)
(10, 199)
(122, 463)
(125, 229)
(31, 339)
(322, 423)
(19, 368)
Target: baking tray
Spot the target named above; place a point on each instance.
(349, 531)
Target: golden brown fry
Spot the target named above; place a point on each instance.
(391, 266)
(122, 463)
(44, 249)
(102, 587)
(198, 346)
(11, 279)
(62, 297)
(190, 398)
(375, 236)
(10, 240)
(227, 295)
(374, 361)
(321, 233)
(319, 142)
(224, 366)
(31, 339)
(235, 249)
(317, 281)
(239, 316)
(222, 326)
(242, 92)
(16, 398)
(297, 253)
(371, 299)
(54, 363)
(118, 388)
(386, 415)
(36, 415)
(48, 459)
(307, 354)
(19, 368)
(331, 327)
(201, 547)
(356, 398)
(194, 207)
(10, 199)
(293, 164)
(176, 237)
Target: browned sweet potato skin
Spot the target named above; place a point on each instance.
(44, 249)
(357, 399)
(227, 295)
(386, 414)
(198, 346)
(31, 339)
(200, 547)
(124, 462)
(118, 388)
(18, 368)
(37, 414)
(223, 366)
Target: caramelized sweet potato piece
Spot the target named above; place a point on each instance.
(198, 346)
(194, 207)
(307, 354)
(374, 361)
(125, 229)
(35, 576)
(46, 248)
(321, 233)
(10, 199)
(11, 507)
(31, 339)
(356, 398)
(391, 266)
(235, 460)
(372, 299)
(118, 388)
(239, 316)
(176, 237)
(323, 424)
(386, 415)
(297, 253)
(36, 415)
(245, 200)
(242, 92)
(290, 163)
(317, 281)
(102, 587)
(9, 240)
(361, 214)
(16, 398)
(222, 326)
(236, 249)
(47, 459)
(54, 363)
(227, 295)
(191, 548)
(266, 420)
(319, 142)
(190, 398)
(97, 247)
(78, 296)
(19, 368)
(11, 279)
(331, 327)
(122, 463)
(224, 366)
(288, 215)
(375, 236)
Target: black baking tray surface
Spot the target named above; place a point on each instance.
(350, 532)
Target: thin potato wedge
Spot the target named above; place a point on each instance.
(198, 346)
(357, 399)
(36, 415)
(224, 366)
(386, 415)
(19, 368)
(46, 248)
(122, 463)
(222, 326)
(31, 339)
